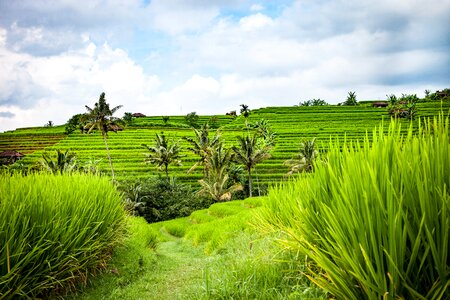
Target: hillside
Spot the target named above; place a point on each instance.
(291, 124)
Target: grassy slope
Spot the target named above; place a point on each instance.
(292, 124)
(219, 256)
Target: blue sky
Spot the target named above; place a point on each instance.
(172, 57)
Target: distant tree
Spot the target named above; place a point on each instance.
(65, 162)
(165, 119)
(249, 153)
(392, 99)
(101, 117)
(304, 160)
(351, 99)
(49, 124)
(75, 123)
(213, 122)
(245, 112)
(217, 183)
(202, 144)
(313, 102)
(192, 119)
(128, 117)
(264, 130)
(163, 154)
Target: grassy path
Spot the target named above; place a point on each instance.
(174, 271)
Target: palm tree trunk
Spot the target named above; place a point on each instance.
(109, 157)
(167, 173)
(250, 183)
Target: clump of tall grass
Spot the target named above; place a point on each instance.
(54, 230)
(253, 268)
(374, 220)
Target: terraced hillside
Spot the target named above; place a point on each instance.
(292, 124)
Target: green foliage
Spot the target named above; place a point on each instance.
(165, 119)
(202, 145)
(251, 267)
(313, 102)
(101, 118)
(55, 230)
(192, 119)
(75, 123)
(65, 162)
(305, 159)
(163, 154)
(375, 218)
(351, 99)
(249, 153)
(217, 184)
(128, 118)
(157, 199)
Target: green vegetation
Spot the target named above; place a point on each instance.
(212, 254)
(163, 154)
(374, 220)
(101, 117)
(55, 231)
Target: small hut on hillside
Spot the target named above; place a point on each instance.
(10, 157)
(139, 115)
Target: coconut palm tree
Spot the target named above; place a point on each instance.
(163, 154)
(202, 145)
(65, 162)
(245, 112)
(249, 153)
(101, 117)
(216, 184)
(351, 99)
(304, 160)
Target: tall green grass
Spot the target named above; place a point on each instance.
(54, 230)
(374, 222)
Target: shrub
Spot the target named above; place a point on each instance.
(54, 229)
(375, 222)
(161, 200)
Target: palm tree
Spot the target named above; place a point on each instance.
(351, 99)
(163, 154)
(65, 162)
(202, 145)
(304, 160)
(216, 184)
(101, 118)
(264, 130)
(245, 112)
(249, 153)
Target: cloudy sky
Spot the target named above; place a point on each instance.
(172, 57)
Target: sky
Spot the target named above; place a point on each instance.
(173, 57)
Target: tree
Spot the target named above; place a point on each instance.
(101, 117)
(74, 123)
(65, 162)
(128, 117)
(216, 184)
(165, 119)
(351, 99)
(163, 154)
(249, 153)
(202, 145)
(192, 119)
(245, 112)
(264, 130)
(49, 124)
(304, 160)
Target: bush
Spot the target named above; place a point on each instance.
(53, 230)
(376, 221)
(156, 200)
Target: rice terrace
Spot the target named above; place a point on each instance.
(312, 201)
(245, 149)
